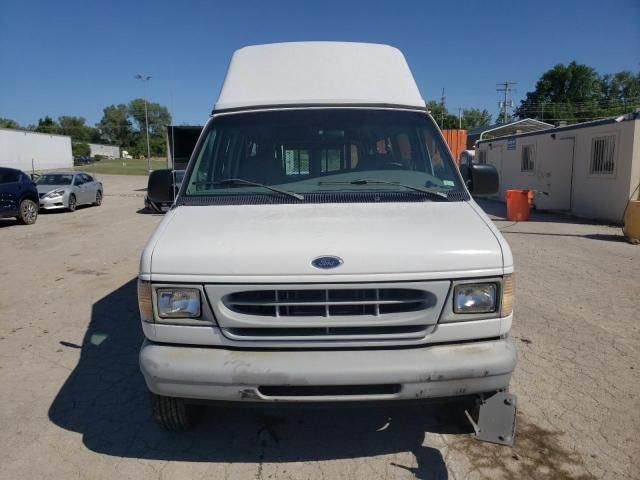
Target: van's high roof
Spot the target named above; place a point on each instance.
(312, 73)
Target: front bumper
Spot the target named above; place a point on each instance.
(240, 375)
(54, 203)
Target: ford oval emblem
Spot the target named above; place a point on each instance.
(327, 261)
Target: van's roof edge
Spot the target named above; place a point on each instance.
(294, 106)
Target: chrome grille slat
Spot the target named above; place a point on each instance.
(363, 302)
(329, 333)
(328, 302)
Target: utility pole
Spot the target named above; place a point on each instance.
(459, 118)
(506, 88)
(442, 99)
(144, 79)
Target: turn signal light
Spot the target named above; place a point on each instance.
(144, 301)
(508, 291)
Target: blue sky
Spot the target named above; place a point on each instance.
(76, 57)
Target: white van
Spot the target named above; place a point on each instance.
(324, 247)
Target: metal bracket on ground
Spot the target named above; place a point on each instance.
(496, 421)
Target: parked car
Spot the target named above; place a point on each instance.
(156, 199)
(68, 190)
(323, 247)
(18, 196)
(81, 160)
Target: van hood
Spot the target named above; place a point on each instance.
(384, 240)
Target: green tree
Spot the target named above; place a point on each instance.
(8, 123)
(80, 149)
(77, 129)
(158, 118)
(500, 120)
(568, 93)
(115, 127)
(47, 125)
(474, 118)
(576, 93)
(621, 92)
(442, 117)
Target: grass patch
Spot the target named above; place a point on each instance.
(123, 167)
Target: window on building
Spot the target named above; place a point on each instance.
(603, 149)
(528, 159)
(482, 156)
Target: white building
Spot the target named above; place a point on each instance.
(31, 150)
(589, 169)
(108, 151)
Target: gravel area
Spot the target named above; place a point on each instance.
(73, 403)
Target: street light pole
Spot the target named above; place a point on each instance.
(144, 79)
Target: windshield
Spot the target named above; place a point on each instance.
(322, 151)
(55, 179)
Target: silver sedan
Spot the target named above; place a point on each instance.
(68, 190)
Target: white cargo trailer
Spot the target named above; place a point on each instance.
(108, 151)
(26, 150)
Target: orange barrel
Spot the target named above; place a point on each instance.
(518, 205)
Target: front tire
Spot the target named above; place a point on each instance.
(98, 201)
(73, 204)
(173, 413)
(28, 213)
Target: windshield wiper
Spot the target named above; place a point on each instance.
(364, 181)
(240, 182)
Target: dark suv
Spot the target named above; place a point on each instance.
(18, 196)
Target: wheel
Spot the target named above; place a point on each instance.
(28, 212)
(72, 203)
(98, 201)
(173, 413)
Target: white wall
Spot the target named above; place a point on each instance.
(562, 169)
(109, 151)
(18, 148)
(635, 167)
(604, 197)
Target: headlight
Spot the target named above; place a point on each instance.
(475, 298)
(54, 194)
(178, 302)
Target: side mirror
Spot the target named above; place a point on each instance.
(160, 185)
(481, 178)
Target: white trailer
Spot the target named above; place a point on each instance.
(26, 150)
(589, 169)
(109, 151)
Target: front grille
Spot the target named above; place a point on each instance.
(397, 312)
(329, 302)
